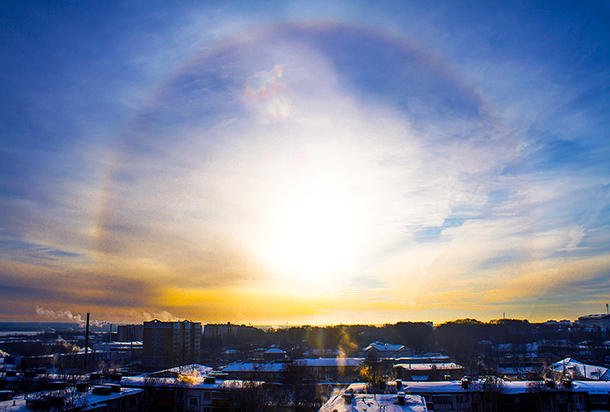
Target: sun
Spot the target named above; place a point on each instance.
(311, 241)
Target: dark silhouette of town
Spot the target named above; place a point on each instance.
(465, 365)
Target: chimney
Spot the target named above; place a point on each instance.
(348, 396)
(401, 398)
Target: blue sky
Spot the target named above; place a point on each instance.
(349, 161)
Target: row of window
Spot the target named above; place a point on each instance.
(460, 399)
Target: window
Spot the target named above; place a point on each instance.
(442, 399)
(193, 402)
(206, 396)
(598, 398)
(459, 399)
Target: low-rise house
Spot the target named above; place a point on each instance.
(324, 353)
(573, 369)
(601, 321)
(274, 354)
(232, 355)
(255, 371)
(429, 371)
(332, 369)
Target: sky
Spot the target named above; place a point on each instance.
(304, 162)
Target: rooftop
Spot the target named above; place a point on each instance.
(373, 403)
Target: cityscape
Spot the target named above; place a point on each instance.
(461, 365)
(305, 206)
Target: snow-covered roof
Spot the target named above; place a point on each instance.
(428, 366)
(194, 369)
(507, 387)
(425, 358)
(255, 367)
(94, 401)
(85, 400)
(231, 352)
(575, 368)
(591, 386)
(331, 362)
(594, 316)
(274, 350)
(325, 352)
(374, 403)
(383, 347)
(195, 383)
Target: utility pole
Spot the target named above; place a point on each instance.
(86, 341)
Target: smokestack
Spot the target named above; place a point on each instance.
(86, 341)
(607, 310)
(110, 335)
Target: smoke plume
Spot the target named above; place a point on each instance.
(66, 314)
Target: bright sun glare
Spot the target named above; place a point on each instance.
(311, 242)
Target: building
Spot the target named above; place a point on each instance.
(217, 333)
(324, 353)
(323, 369)
(257, 371)
(573, 369)
(274, 354)
(601, 321)
(115, 354)
(192, 371)
(100, 398)
(500, 395)
(168, 344)
(164, 392)
(429, 371)
(332, 369)
(130, 333)
(399, 402)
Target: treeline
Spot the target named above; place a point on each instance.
(348, 338)
(461, 338)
